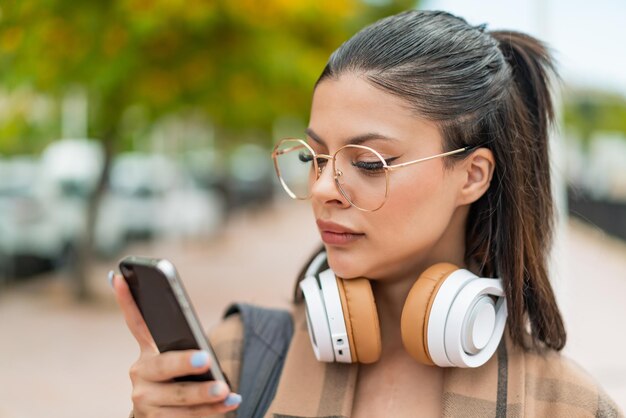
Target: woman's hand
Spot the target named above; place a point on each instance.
(155, 393)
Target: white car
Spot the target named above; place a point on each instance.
(151, 196)
(30, 237)
(43, 204)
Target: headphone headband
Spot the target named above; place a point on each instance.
(316, 264)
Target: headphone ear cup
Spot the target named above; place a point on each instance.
(336, 314)
(416, 311)
(361, 317)
(316, 318)
(475, 321)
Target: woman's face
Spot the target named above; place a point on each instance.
(422, 221)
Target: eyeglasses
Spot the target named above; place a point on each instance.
(361, 174)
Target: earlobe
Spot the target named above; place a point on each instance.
(478, 170)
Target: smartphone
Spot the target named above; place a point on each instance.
(167, 310)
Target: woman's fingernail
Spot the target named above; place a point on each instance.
(232, 399)
(110, 277)
(200, 359)
(217, 388)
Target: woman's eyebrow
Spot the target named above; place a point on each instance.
(355, 140)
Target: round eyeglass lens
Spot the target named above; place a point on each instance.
(361, 177)
(294, 166)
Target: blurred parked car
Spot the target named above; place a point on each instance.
(73, 167)
(207, 168)
(72, 170)
(43, 205)
(251, 175)
(152, 196)
(30, 239)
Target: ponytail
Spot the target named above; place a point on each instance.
(531, 69)
(524, 214)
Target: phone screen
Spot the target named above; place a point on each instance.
(162, 311)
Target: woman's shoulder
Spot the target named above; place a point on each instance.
(551, 364)
(552, 384)
(557, 385)
(523, 382)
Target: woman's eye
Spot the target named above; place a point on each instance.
(305, 157)
(368, 165)
(372, 166)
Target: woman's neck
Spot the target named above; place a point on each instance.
(390, 295)
(389, 302)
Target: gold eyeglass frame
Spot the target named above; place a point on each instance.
(336, 173)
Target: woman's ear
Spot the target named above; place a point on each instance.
(477, 171)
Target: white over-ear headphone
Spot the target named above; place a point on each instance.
(451, 317)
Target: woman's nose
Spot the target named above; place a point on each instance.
(325, 190)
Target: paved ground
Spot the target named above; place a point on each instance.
(62, 359)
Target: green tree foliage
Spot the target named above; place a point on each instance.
(243, 62)
(587, 111)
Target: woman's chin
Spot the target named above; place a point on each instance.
(345, 266)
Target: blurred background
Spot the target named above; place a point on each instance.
(145, 127)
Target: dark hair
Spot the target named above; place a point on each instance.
(483, 89)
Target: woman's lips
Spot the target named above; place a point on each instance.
(332, 238)
(335, 234)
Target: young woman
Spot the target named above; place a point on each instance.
(427, 144)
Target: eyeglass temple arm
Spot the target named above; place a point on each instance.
(445, 154)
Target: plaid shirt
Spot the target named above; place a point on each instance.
(513, 383)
